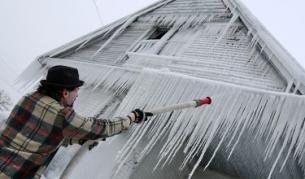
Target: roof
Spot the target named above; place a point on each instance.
(285, 64)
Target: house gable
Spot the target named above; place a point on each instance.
(203, 39)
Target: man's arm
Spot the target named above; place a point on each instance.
(79, 127)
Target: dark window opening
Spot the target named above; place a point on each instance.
(158, 34)
(292, 89)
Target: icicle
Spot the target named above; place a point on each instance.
(299, 113)
(104, 34)
(225, 30)
(241, 123)
(213, 132)
(189, 22)
(268, 67)
(252, 46)
(29, 78)
(235, 109)
(115, 34)
(127, 23)
(109, 77)
(257, 55)
(203, 19)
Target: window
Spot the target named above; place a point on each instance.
(158, 34)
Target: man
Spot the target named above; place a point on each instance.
(41, 121)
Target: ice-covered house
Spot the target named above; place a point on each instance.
(179, 50)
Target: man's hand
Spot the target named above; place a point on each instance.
(138, 115)
(82, 141)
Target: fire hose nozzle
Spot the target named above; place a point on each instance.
(203, 101)
(189, 104)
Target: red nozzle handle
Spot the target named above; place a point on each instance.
(203, 101)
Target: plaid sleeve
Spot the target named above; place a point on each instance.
(80, 127)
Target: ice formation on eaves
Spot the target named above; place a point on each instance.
(236, 111)
(263, 114)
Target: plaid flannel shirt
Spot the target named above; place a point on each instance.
(36, 128)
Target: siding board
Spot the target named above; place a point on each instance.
(113, 51)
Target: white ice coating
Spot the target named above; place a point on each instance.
(127, 23)
(225, 30)
(109, 77)
(265, 114)
(30, 77)
(207, 68)
(274, 50)
(183, 21)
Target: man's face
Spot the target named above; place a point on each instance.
(70, 96)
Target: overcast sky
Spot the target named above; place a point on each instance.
(30, 28)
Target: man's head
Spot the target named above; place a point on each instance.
(69, 96)
(62, 83)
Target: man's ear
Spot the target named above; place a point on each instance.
(65, 93)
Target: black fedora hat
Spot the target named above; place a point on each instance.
(62, 77)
